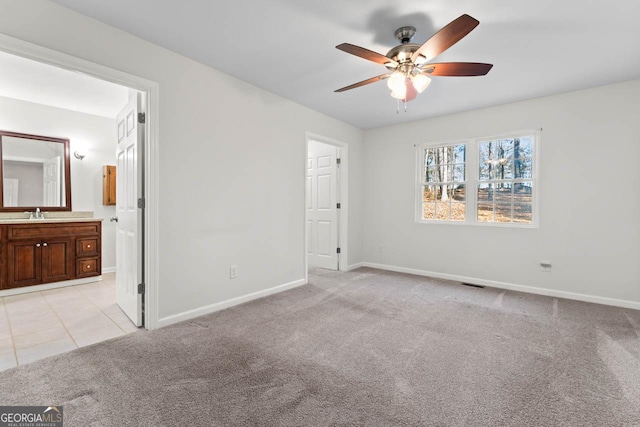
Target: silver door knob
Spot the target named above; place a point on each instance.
(114, 219)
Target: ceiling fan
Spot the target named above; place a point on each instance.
(408, 63)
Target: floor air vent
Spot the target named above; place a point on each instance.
(472, 285)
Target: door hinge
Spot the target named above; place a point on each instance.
(338, 206)
(338, 251)
(338, 161)
(141, 203)
(142, 118)
(141, 288)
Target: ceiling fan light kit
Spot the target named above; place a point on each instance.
(409, 62)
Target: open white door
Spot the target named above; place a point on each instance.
(322, 212)
(51, 181)
(10, 189)
(129, 216)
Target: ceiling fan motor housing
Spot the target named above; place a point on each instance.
(403, 52)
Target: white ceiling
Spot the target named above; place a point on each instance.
(32, 81)
(537, 47)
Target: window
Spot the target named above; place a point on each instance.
(479, 181)
(443, 184)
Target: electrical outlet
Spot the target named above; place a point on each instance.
(233, 272)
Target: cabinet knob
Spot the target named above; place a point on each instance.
(44, 244)
(88, 266)
(88, 246)
(37, 245)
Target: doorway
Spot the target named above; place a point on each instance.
(146, 268)
(326, 207)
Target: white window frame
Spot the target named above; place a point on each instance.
(472, 179)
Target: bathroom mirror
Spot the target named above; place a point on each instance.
(35, 173)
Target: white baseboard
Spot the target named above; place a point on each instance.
(186, 315)
(354, 266)
(48, 286)
(509, 286)
(108, 269)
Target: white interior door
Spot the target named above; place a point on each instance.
(51, 181)
(10, 190)
(322, 212)
(129, 216)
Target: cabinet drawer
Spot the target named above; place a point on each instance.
(87, 246)
(87, 267)
(28, 231)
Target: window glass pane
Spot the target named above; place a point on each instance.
(523, 147)
(457, 211)
(485, 193)
(458, 172)
(503, 149)
(522, 212)
(446, 173)
(502, 192)
(457, 192)
(484, 160)
(502, 169)
(430, 174)
(523, 168)
(429, 157)
(443, 211)
(502, 212)
(485, 212)
(429, 193)
(460, 154)
(429, 211)
(522, 192)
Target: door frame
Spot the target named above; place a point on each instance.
(342, 187)
(150, 104)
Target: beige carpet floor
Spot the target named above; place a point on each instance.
(364, 348)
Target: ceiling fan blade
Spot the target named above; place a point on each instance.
(367, 54)
(457, 69)
(364, 82)
(446, 37)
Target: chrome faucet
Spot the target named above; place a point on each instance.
(36, 214)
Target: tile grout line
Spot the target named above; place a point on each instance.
(13, 343)
(103, 312)
(61, 321)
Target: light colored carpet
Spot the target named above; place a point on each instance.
(366, 348)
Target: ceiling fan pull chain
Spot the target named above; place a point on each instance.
(397, 106)
(405, 105)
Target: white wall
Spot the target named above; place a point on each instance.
(589, 198)
(231, 163)
(96, 135)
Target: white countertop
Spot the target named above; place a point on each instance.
(49, 217)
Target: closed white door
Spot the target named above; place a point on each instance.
(129, 216)
(322, 212)
(51, 181)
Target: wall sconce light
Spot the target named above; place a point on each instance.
(79, 154)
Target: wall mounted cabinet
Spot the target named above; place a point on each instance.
(108, 185)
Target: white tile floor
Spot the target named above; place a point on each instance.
(41, 324)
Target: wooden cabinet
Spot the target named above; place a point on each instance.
(108, 185)
(49, 252)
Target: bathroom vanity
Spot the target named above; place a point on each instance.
(36, 252)
(36, 247)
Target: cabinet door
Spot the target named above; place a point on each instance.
(109, 185)
(57, 259)
(25, 263)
